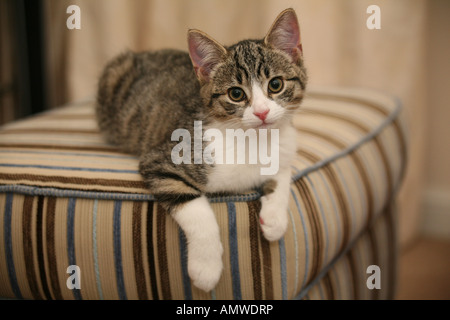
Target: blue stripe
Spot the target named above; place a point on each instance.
(305, 231)
(283, 269)
(234, 253)
(68, 193)
(324, 219)
(71, 240)
(184, 268)
(7, 219)
(371, 135)
(95, 249)
(65, 168)
(118, 250)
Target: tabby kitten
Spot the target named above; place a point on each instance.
(143, 97)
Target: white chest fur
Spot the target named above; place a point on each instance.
(232, 176)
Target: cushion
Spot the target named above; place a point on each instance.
(68, 198)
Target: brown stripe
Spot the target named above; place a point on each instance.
(75, 180)
(27, 215)
(359, 166)
(375, 257)
(391, 224)
(51, 253)
(137, 251)
(162, 252)
(395, 122)
(388, 171)
(353, 274)
(325, 96)
(316, 231)
(150, 252)
(253, 209)
(267, 269)
(60, 147)
(40, 247)
(328, 284)
(340, 197)
(48, 130)
(366, 130)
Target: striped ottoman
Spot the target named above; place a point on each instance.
(76, 221)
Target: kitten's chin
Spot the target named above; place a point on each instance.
(267, 125)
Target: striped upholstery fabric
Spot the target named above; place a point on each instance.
(67, 198)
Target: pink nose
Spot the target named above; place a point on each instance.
(261, 115)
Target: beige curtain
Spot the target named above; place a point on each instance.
(339, 50)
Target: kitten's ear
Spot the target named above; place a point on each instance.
(205, 53)
(284, 35)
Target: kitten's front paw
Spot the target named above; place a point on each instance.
(273, 217)
(205, 263)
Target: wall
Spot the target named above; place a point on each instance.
(436, 197)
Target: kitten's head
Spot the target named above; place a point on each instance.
(254, 83)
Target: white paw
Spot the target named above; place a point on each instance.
(199, 224)
(205, 262)
(273, 217)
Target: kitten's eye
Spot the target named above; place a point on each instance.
(236, 94)
(275, 85)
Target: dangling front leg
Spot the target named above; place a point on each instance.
(273, 216)
(183, 198)
(198, 222)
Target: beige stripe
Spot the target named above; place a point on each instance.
(276, 269)
(327, 197)
(105, 251)
(145, 263)
(360, 190)
(173, 257)
(364, 252)
(345, 280)
(45, 282)
(69, 161)
(18, 251)
(381, 235)
(224, 288)
(126, 235)
(242, 227)
(289, 242)
(61, 253)
(33, 236)
(301, 240)
(83, 242)
(154, 233)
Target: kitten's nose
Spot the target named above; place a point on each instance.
(262, 115)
